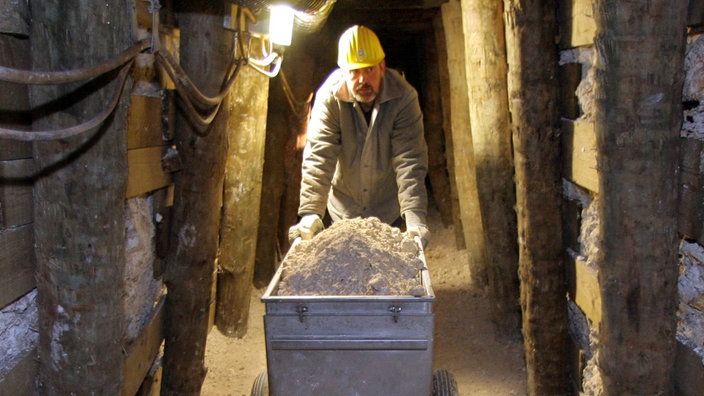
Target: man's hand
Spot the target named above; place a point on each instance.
(309, 225)
(421, 231)
(415, 226)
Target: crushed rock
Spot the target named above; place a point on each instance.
(360, 256)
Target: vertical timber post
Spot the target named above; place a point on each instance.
(433, 126)
(531, 29)
(445, 110)
(465, 175)
(206, 54)
(493, 155)
(640, 50)
(246, 134)
(79, 201)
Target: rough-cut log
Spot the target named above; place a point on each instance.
(246, 134)
(445, 106)
(433, 126)
(80, 202)
(533, 93)
(272, 189)
(290, 93)
(463, 151)
(205, 56)
(637, 123)
(491, 136)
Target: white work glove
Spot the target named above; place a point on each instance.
(415, 226)
(309, 225)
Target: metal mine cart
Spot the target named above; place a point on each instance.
(350, 345)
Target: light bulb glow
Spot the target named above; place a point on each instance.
(281, 24)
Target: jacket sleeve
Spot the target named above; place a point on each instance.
(410, 156)
(320, 154)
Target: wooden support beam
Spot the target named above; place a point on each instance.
(144, 123)
(445, 105)
(20, 380)
(489, 117)
(465, 174)
(145, 171)
(16, 193)
(80, 204)
(689, 372)
(695, 13)
(142, 352)
(14, 149)
(292, 94)
(13, 17)
(14, 98)
(241, 201)
(205, 57)
(534, 93)
(579, 154)
(576, 23)
(691, 188)
(16, 263)
(638, 145)
(583, 288)
(433, 126)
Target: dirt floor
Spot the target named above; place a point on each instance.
(463, 343)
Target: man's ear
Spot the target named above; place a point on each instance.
(382, 66)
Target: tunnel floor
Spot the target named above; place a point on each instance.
(464, 342)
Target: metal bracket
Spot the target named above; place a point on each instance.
(395, 310)
(301, 309)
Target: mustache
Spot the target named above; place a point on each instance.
(363, 86)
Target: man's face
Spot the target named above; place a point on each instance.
(364, 83)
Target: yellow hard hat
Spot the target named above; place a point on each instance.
(358, 48)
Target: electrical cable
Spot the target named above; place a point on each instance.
(154, 7)
(295, 105)
(77, 129)
(271, 72)
(187, 90)
(184, 86)
(66, 76)
(179, 76)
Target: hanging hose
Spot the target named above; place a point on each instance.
(184, 86)
(74, 130)
(154, 7)
(179, 76)
(295, 105)
(188, 91)
(62, 77)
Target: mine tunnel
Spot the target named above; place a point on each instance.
(150, 173)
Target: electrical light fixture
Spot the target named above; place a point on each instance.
(250, 30)
(281, 24)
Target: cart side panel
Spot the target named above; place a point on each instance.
(349, 354)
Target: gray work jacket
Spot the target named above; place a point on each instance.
(360, 170)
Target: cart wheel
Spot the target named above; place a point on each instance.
(261, 385)
(444, 383)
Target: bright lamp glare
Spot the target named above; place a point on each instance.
(280, 24)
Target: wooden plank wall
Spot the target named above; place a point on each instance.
(145, 146)
(147, 138)
(16, 169)
(17, 261)
(577, 29)
(145, 150)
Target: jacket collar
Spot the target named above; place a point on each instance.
(390, 88)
